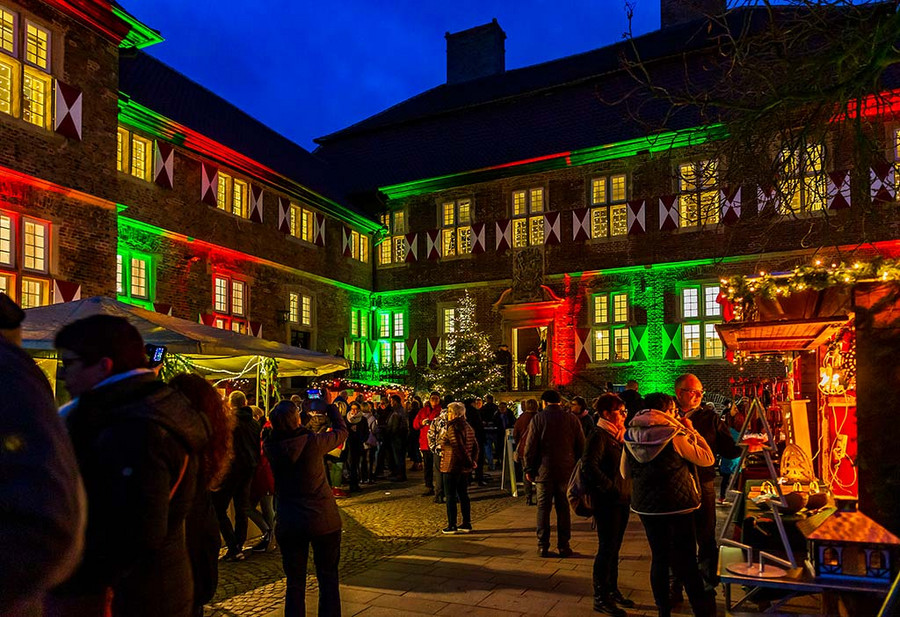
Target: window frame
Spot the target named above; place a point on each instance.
(24, 70)
(228, 315)
(14, 271)
(704, 193)
(810, 201)
(610, 323)
(393, 243)
(708, 313)
(529, 222)
(387, 322)
(607, 204)
(225, 194)
(454, 228)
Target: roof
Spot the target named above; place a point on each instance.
(576, 102)
(161, 88)
(852, 527)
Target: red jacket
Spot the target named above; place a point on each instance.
(532, 365)
(423, 420)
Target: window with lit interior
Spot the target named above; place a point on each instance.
(528, 217)
(698, 193)
(609, 321)
(700, 313)
(802, 181)
(26, 82)
(456, 227)
(232, 195)
(25, 259)
(609, 214)
(392, 247)
(230, 303)
(134, 154)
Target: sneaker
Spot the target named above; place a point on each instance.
(448, 531)
(721, 502)
(464, 528)
(339, 492)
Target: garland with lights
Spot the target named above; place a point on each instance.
(366, 389)
(817, 276)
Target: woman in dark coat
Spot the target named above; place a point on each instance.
(610, 498)
(459, 451)
(306, 511)
(356, 441)
(201, 524)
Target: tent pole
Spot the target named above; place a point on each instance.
(258, 384)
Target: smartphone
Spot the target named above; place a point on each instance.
(314, 394)
(156, 354)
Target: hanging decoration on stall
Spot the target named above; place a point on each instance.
(837, 372)
(366, 389)
(817, 276)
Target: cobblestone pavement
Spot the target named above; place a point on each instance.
(385, 519)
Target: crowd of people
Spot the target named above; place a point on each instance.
(120, 500)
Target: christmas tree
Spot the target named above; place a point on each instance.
(466, 367)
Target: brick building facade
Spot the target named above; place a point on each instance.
(577, 232)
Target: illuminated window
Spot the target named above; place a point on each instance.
(220, 294)
(698, 199)
(611, 337)
(7, 285)
(700, 313)
(35, 246)
(364, 323)
(139, 277)
(456, 230)
(134, 154)
(358, 334)
(237, 298)
(231, 299)
(528, 220)
(399, 352)
(120, 276)
(232, 195)
(393, 246)
(384, 325)
(306, 310)
(359, 246)
(35, 292)
(354, 323)
(448, 320)
(6, 240)
(294, 307)
(398, 325)
(609, 216)
(803, 185)
(384, 348)
(26, 85)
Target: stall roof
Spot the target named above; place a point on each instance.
(773, 336)
(212, 350)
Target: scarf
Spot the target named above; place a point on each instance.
(611, 428)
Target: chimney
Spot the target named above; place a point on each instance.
(476, 52)
(674, 12)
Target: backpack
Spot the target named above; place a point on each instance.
(578, 494)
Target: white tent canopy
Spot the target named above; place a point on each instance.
(211, 350)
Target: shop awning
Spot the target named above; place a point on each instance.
(211, 350)
(775, 336)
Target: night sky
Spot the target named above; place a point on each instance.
(307, 69)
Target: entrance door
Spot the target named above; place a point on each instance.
(525, 340)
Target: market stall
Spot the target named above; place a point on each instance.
(794, 524)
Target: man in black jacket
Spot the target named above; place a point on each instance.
(555, 442)
(137, 443)
(689, 394)
(236, 485)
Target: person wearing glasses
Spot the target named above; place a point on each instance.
(689, 395)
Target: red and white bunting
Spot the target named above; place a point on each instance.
(767, 197)
(254, 328)
(209, 184)
(883, 183)
(284, 215)
(478, 237)
(346, 246)
(731, 205)
(319, 230)
(256, 203)
(433, 244)
(164, 165)
(837, 190)
(412, 247)
(64, 291)
(582, 346)
(637, 217)
(412, 352)
(668, 213)
(504, 236)
(165, 309)
(581, 229)
(208, 319)
(434, 348)
(551, 228)
(69, 101)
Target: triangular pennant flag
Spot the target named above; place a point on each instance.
(346, 244)
(581, 230)
(64, 291)
(284, 215)
(883, 187)
(165, 309)
(668, 213)
(637, 217)
(582, 346)
(412, 352)
(412, 247)
(164, 165)
(504, 236)
(68, 111)
(255, 328)
(256, 203)
(319, 231)
(209, 184)
(433, 244)
(551, 228)
(838, 190)
(731, 205)
(478, 238)
(208, 319)
(766, 197)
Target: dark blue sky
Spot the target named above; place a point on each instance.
(307, 68)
